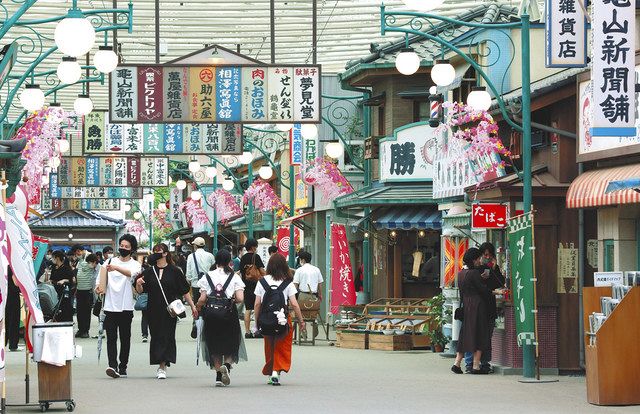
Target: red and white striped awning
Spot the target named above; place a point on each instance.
(588, 190)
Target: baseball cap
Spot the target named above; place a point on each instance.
(198, 241)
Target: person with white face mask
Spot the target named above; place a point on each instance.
(107, 253)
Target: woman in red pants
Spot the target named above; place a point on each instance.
(277, 348)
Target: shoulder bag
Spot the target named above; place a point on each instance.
(198, 272)
(308, 301)
(252, 272)
(175, 308)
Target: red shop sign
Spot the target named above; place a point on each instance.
(489, 216)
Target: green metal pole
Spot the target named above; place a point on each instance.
(366, 244)
(292, 212)
(328, 264)
(528, 351)
(250, 218)
(215, 220)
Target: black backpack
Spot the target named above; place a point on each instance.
(272, 302)
(218, 306)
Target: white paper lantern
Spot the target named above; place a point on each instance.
(181, 184)
(423, 5)
(407, 61)
(479, 99)
(69, 71)
(246, 157)
(334, 150)
(194, 166)
(83, 105)
(137, 215)
(105, 59)
(32, 97)
(443, 73)
(75, 35)
(196, 195)
(265, 172)
(309, 131)
(70, 236)
(228, 184)
(63, 145)
(211, 172)
(284, 127)
(54, 163)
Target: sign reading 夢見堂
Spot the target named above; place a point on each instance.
(566, 34)
(99, 137)
(215, 94)
(113, 172)
(613, 74)
(92, 193)
(56, 204)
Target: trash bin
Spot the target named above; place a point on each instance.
(53, 350)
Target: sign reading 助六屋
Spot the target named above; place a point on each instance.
(215, 94)
(113, 172)
(566, 34)
(613, 74)
(522, 258)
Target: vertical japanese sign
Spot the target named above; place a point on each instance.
(176, 91)
(124, 87)
(296, 145)
(154, 138)
(566, 34)
(310, 150)
(228, 99)
(94, 132)
(175, 199)
(202, 94)
(231, 138)
(150, 93)
(522, 258)
(254, 94)
(280, 84)
(613, 72)
(342, 287)
(307, 91)
(173, 138)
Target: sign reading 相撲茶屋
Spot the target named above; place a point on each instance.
(215, 94)
(613, 73)
(56, 191)
(566, 34)
(113, 172)
(103, 138)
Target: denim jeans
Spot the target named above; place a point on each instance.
(485, 359)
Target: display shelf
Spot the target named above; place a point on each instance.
(612, 365)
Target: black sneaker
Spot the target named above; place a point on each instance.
(456, 369)
(122, 372)
(219, 379)
(144, 338)
(275, 381)
(248, 335)
(468, 369)
(258, 335)
(112, 373)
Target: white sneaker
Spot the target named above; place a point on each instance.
(162, 374)
(224, 371)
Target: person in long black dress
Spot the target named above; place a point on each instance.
(222, 337)
(162, 326)
(63, 279)
(476, 297)
(251, 257)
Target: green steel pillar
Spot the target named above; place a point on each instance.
(366, 245)
(528, 351)
(292, 212)
(327, 285)
(250, 210)
(215, 220)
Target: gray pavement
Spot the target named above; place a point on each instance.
(324, 379)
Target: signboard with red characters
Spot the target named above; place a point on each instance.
(489, 216)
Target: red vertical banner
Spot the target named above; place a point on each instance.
(283, 240)
(150, 93)
(454, 248)
(342, 288)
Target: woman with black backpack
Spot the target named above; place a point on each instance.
(274, 293)
(221, 341)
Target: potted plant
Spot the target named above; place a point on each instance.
(438, 316)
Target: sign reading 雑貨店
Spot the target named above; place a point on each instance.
(113, 172)
(566, 34)
(613, 74)
(215, 94)
(100, 137)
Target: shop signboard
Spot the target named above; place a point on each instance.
(522, 258)
(296, 145)
(342, 287)
(613, 75)
(489, 216)
(409, 154)
(56, 191)
(176, 198)
(566, 34)
(567, 269)
(603, 279)
(103, 138)
(454, 249)
(303, 194)
(56, 204)
(113, 172)
(594, 147)
(215, 94)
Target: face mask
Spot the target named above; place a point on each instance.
(108, 256)
(124, 252)
(153, 258)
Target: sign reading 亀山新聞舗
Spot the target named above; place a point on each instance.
(215, 94)
(613, 73)
(566, 34)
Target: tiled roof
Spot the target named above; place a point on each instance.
(92, 219)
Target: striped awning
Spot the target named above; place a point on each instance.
(409, 218)
(590, 188)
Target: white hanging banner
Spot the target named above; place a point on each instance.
(613, 72)
(566, 34)
(176, 198)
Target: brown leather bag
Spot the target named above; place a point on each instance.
(252, 272)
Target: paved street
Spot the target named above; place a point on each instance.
(323, 379)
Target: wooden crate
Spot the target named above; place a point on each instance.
(390, 342)
(420, 341)
(353, 340)
(54, 383)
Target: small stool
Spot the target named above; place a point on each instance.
(298, 338)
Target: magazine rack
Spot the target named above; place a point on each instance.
(612, 363)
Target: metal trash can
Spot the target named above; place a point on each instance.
(54, 341)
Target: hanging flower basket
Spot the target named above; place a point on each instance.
(225, 205)
(196, 216)
(326, 177)
(263, 197)
(160, 220)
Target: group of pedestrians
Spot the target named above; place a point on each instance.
(213, 287)
(479, 282)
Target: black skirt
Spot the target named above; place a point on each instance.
(222, 337)
(162, 348)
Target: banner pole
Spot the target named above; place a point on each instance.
(3, 200)
(535, 295)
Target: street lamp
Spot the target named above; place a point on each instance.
(162, 207)
(137, 215)
(127, 208)
(83, 105)
(105, 59)
(407, 61)
(69, 70)
(246, 157)
(443, 73)
(54, 163)
(196, 195)
(479, 99)
(309, 131)
(181, 184)
(284, 127)
(334, 149)
(75, 34)
(32, 98)
(70, 236)
(63, 145)
(194, 166)
(227, 184)
(211, 172)
(423, 5)
(265, 172)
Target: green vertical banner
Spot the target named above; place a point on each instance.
(522, 255)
